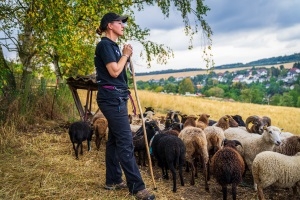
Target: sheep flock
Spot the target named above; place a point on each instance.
(224, 149)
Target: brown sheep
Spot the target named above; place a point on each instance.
(289, 146)
(100, 129)
(202, 121)
(190, 121)
(258, 124)
(196, 147)
(226, 121)
(228, 166)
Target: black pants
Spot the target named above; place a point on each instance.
(119, 147)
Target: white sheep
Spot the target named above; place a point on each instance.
(215, 138)
(272, 168)
(253, 143)
(195, 142)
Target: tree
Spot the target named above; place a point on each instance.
(171, 79)
(186, 85)
(215, 91)
(64, 31)
(286, 100)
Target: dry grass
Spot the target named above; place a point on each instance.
(40, 164)
(284, 117)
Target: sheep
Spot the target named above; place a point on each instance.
(134, 119)
(253, 143)
(148, 115)
(225, 122)
(289, 146)
(139, 140)
(228, 167)
(272, 168)
(195, 142)
(97, 115)
(190, 121)
(100, 127)
(169, 119)
(149, 109)
(258, 123)
(80, 131)
(169, 152)
(215, 138)
(203, 121)
(211, 122)
(239, 120)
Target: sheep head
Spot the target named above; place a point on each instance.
(258, 124)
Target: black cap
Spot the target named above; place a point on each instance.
(110, 17)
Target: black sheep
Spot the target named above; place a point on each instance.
(169, 151)
(239, 120)
(228, 167)
(139, 140)
(80, 131)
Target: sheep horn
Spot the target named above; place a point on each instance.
(267, 120)
(251, 119)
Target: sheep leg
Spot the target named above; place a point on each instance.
(208, 170)
(180, 175)
(187, 167)
(260, 193)
(139, 157)
(233, 191)
(89, 145)
(164, 173)
(76, 150)
(193, 173)
(196, 168)
(205, 167)
(98, 141)
(81, 150)
(172, 169)
(144, 158)
(224, 191)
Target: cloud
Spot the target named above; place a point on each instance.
(243, 31)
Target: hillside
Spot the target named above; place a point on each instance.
(195, 72)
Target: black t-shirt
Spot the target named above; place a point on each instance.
(108, 51)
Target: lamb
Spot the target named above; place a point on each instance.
(289, 146)
(169, 152)
(258, 123)
(100, 127)
(228, 167)
(80, 131)
(272, 168)
(195, 142)
(253, 143)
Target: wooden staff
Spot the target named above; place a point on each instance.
(131, 68)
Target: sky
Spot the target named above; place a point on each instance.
(243, 31)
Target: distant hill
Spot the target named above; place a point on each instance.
(261, 62)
